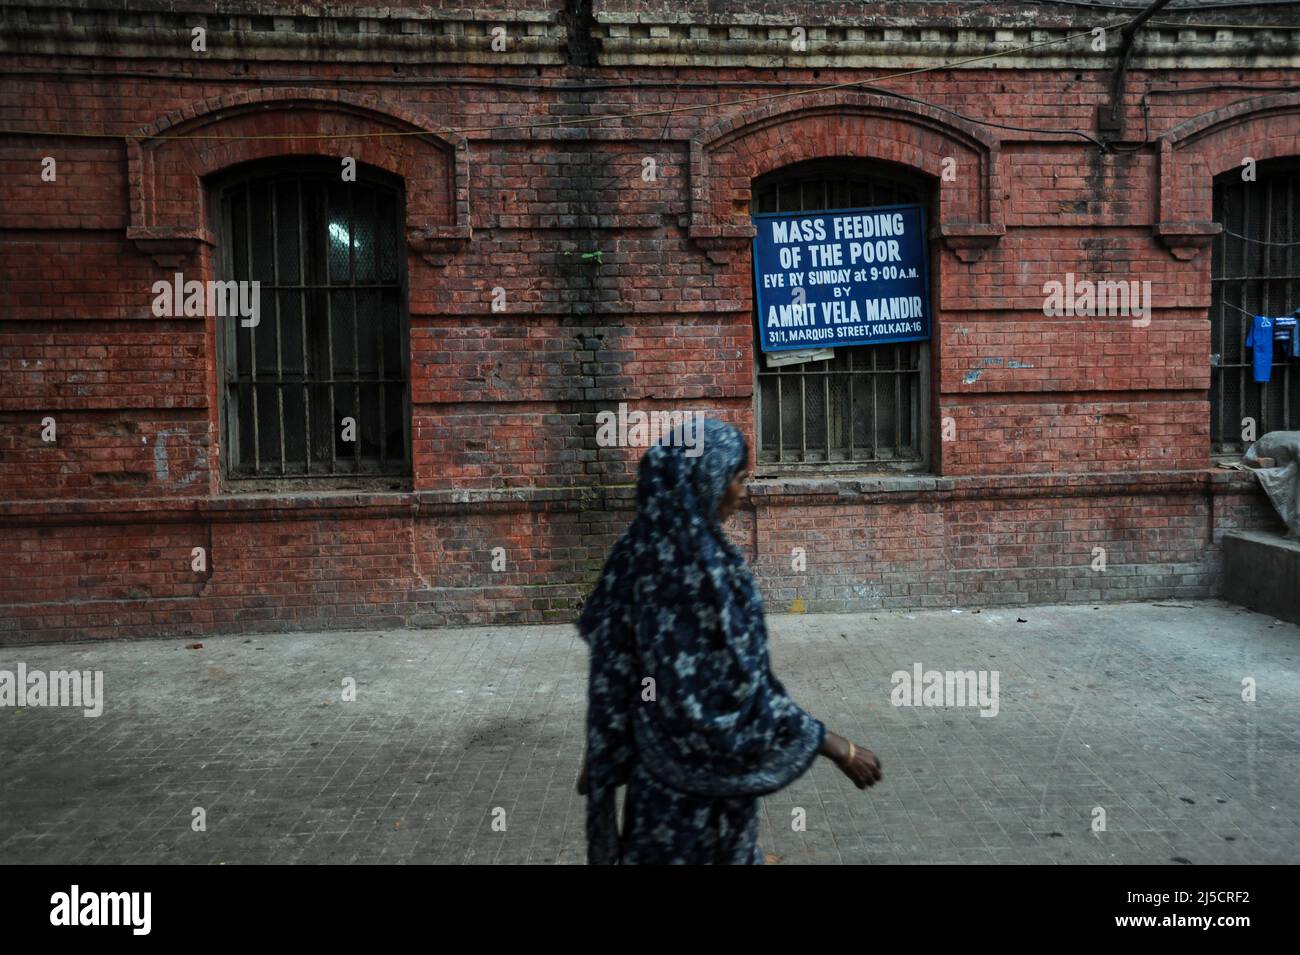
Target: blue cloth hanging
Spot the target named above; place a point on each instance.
(1260, 338)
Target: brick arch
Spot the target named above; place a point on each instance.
(169, 159)
(728, 156)
(1193, 153)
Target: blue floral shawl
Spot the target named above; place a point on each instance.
(677, 605)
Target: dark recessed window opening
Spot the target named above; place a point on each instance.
(867, 406)
(319, 387)
(1256, 271)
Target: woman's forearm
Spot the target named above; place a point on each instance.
(835, 746)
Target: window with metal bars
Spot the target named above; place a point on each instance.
(330, 348)
(1256, 271)
(867, 407)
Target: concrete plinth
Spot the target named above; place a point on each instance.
(1262, 571)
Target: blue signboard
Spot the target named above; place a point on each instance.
(841, 277)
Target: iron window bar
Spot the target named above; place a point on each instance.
(852, 386)
(329, 248)
(1251, 277)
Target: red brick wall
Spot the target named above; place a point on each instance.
(1070, 434)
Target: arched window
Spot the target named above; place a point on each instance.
(1256, 271)
(319, 387)
(867, 407)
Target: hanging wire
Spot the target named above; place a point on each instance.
(584, 120)
(1255, 313)
(1246, 238)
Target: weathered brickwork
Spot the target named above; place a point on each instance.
(548, 279)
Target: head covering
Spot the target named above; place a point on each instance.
(677, 605)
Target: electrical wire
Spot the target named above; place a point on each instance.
(572, 121)
(1212, 87)
(1246, 238)
(1224, 26)
(1253, 314)
(1192, 8)
(804, 90)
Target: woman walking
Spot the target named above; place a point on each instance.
(682, 704)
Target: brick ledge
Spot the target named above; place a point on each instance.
(763, 492)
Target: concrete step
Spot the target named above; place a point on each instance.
(1262, 571)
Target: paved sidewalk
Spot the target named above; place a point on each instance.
(1135, 709)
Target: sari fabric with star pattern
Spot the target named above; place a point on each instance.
(677, 605)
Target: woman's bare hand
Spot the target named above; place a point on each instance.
(863, 768)
(860, 764)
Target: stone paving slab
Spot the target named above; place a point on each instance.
(1135, 709)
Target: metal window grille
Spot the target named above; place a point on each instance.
(331, 343)
(867, 404)
(1252, 277)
